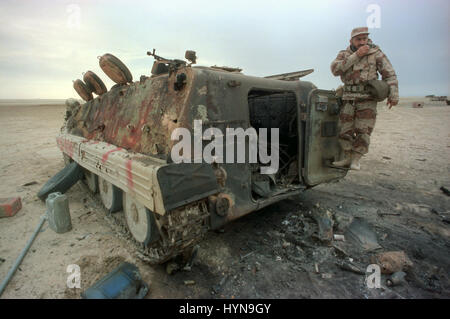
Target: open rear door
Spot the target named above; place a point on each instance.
(321, 146)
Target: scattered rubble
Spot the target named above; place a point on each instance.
(325, 222)
(396, 279)
(445, 190)
(30, 183)
(189, 282)
(360, 233)
(392, 261)
(349, 266)
(10, 206)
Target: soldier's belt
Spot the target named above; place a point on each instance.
(356, 88)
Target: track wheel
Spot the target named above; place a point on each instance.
(140, 220)
(91, 180)
(110, 195)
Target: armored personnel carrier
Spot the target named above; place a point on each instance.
(122, 140)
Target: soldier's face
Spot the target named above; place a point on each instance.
(359, 40)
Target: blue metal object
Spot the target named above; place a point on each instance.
(124, 282)
(21, 256)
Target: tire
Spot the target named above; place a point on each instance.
(110, 195)
(62, 181)
(94, 83)
(115, 69)
(91, 181)
(83, 90)
(140, 221)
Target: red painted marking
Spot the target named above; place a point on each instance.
(106, 155)
(66, 146)
(129, 175)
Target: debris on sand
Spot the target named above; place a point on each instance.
(325, 222)
(124, 282)
(246, 255)
(339, 237)
(396, 279)
(344, 265)
(316, 267)
(10, 206)
(360, 233)
(445, 190)
(83, 236)
(189, 282)
(171, 267)
(30, 183)
(392, 261)
(381, 214)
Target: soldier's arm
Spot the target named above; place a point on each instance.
(343, 62)
(387, 72)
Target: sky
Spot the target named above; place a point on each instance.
(45, 45)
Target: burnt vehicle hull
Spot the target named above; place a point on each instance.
(124, 138)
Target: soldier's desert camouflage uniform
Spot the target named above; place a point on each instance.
(358, 115)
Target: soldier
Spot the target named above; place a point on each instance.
(357, 66)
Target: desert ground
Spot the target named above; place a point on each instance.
(271, 253)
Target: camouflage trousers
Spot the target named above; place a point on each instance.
(356, 122)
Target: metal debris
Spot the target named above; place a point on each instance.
(396, 279)
(344, 265)
(30, 183)
(445, 190)
(361, 233)
(379, 213)
(325, 222)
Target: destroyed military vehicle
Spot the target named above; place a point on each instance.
(121, 142)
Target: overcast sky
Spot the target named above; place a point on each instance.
(44, 45)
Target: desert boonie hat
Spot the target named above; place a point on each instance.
(358, 31)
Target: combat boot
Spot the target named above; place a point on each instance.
(355, 165)
(345, 162)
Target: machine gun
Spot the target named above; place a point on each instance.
(189, 55)
(163, 65)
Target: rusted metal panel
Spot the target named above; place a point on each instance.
(135, 174)
(139, 117)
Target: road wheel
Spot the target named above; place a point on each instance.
(140, 221)
(94, 83)
(83, 91)
(91, 180)
(110, 195)
(115, 69)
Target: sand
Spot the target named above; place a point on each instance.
(407, 164)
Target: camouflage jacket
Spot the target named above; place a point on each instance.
(354, 70)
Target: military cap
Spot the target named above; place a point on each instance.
(360, 30)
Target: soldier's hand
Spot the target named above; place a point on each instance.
(362, 51)
(391, 103)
